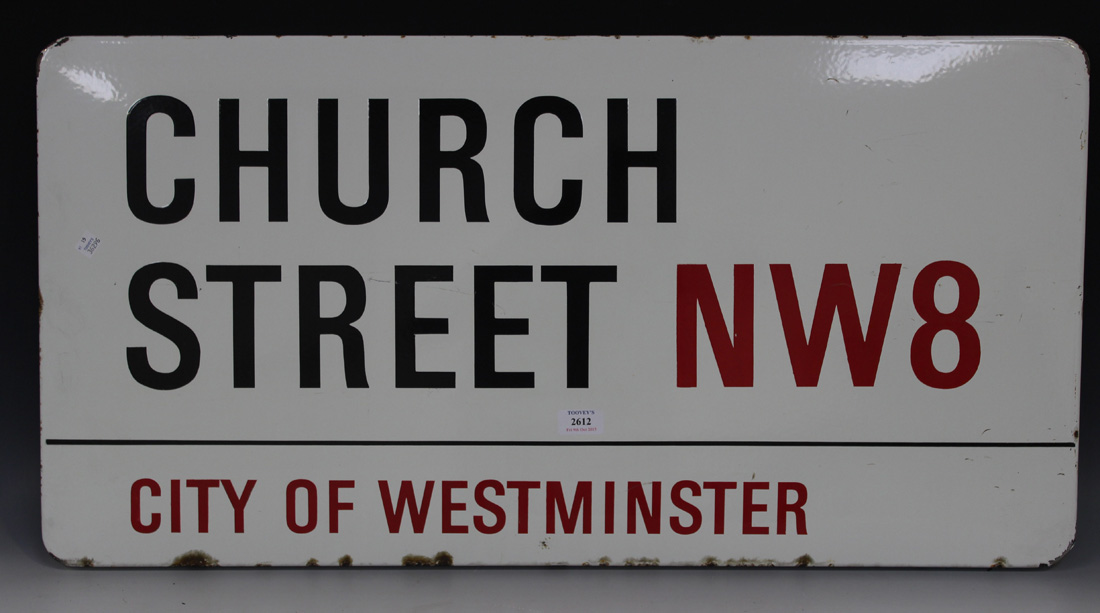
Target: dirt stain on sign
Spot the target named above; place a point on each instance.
(641, 562)
(750, 562)
(194, 559)
(441, 558)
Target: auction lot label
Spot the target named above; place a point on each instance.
(525, 301)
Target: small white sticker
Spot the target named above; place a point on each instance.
(87, 245)
(580, 421)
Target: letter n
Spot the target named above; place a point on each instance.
(734, 354)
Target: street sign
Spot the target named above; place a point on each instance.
(585, 301)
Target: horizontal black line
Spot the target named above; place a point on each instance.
(383, 443)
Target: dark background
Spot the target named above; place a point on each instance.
(31, 580)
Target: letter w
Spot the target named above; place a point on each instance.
(406, 497)
(836, 295)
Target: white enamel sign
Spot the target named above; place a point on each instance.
(527, 301)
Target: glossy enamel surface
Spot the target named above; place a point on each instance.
(882, 155)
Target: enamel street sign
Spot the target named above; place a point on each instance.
(594, 301)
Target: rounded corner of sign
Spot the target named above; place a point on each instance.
(1074, 52)
(52, 550)
(51, 50)
(1064, 545)
(50, 55)
(1072, 44)
(1065, 551)
(59, 555)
